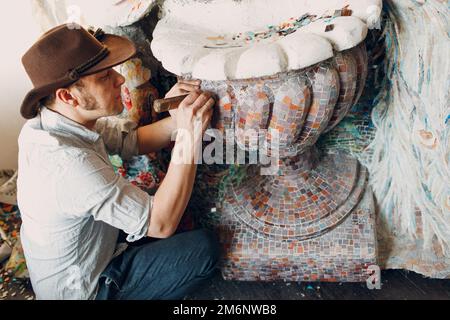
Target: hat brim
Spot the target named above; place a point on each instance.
(120, 50)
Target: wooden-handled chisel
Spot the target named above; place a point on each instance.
(163, 105)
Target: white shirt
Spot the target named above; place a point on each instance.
(72, 203)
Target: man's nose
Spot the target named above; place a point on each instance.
(120, 79)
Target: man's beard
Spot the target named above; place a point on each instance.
(90, 103)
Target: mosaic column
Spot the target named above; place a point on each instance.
(313, 218)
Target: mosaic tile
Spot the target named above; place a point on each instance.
(360, 55)
(347, 67)
(340, 254)
(300, 207)
(325, 92)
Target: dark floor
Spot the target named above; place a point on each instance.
(396, 285)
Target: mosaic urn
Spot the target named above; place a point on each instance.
(284, 74)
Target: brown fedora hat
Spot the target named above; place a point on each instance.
(66, 53)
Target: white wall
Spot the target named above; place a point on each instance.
(18, 31)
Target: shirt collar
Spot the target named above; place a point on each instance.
(54, 122)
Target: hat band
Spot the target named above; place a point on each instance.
(76, 73)
(99, 34)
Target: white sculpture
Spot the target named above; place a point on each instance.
(226, 40)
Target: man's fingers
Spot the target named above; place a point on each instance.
(209, 114)
(190, 82)
(201, 101)
(188, 87)
(207, 107)
(208, 118)
(191, 98)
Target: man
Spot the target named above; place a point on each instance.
(73, 204)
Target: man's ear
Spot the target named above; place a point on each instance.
(67, 96)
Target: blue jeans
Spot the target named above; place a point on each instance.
(166, 269)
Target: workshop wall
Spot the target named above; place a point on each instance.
(14, 83)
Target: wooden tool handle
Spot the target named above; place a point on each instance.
(163, 105)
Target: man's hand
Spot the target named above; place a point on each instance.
(180, 88)
(183, 87)
(195, 109)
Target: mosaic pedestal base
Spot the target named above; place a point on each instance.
(294, 244)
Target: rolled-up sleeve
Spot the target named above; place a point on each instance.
(119, 136)
(91, 188)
